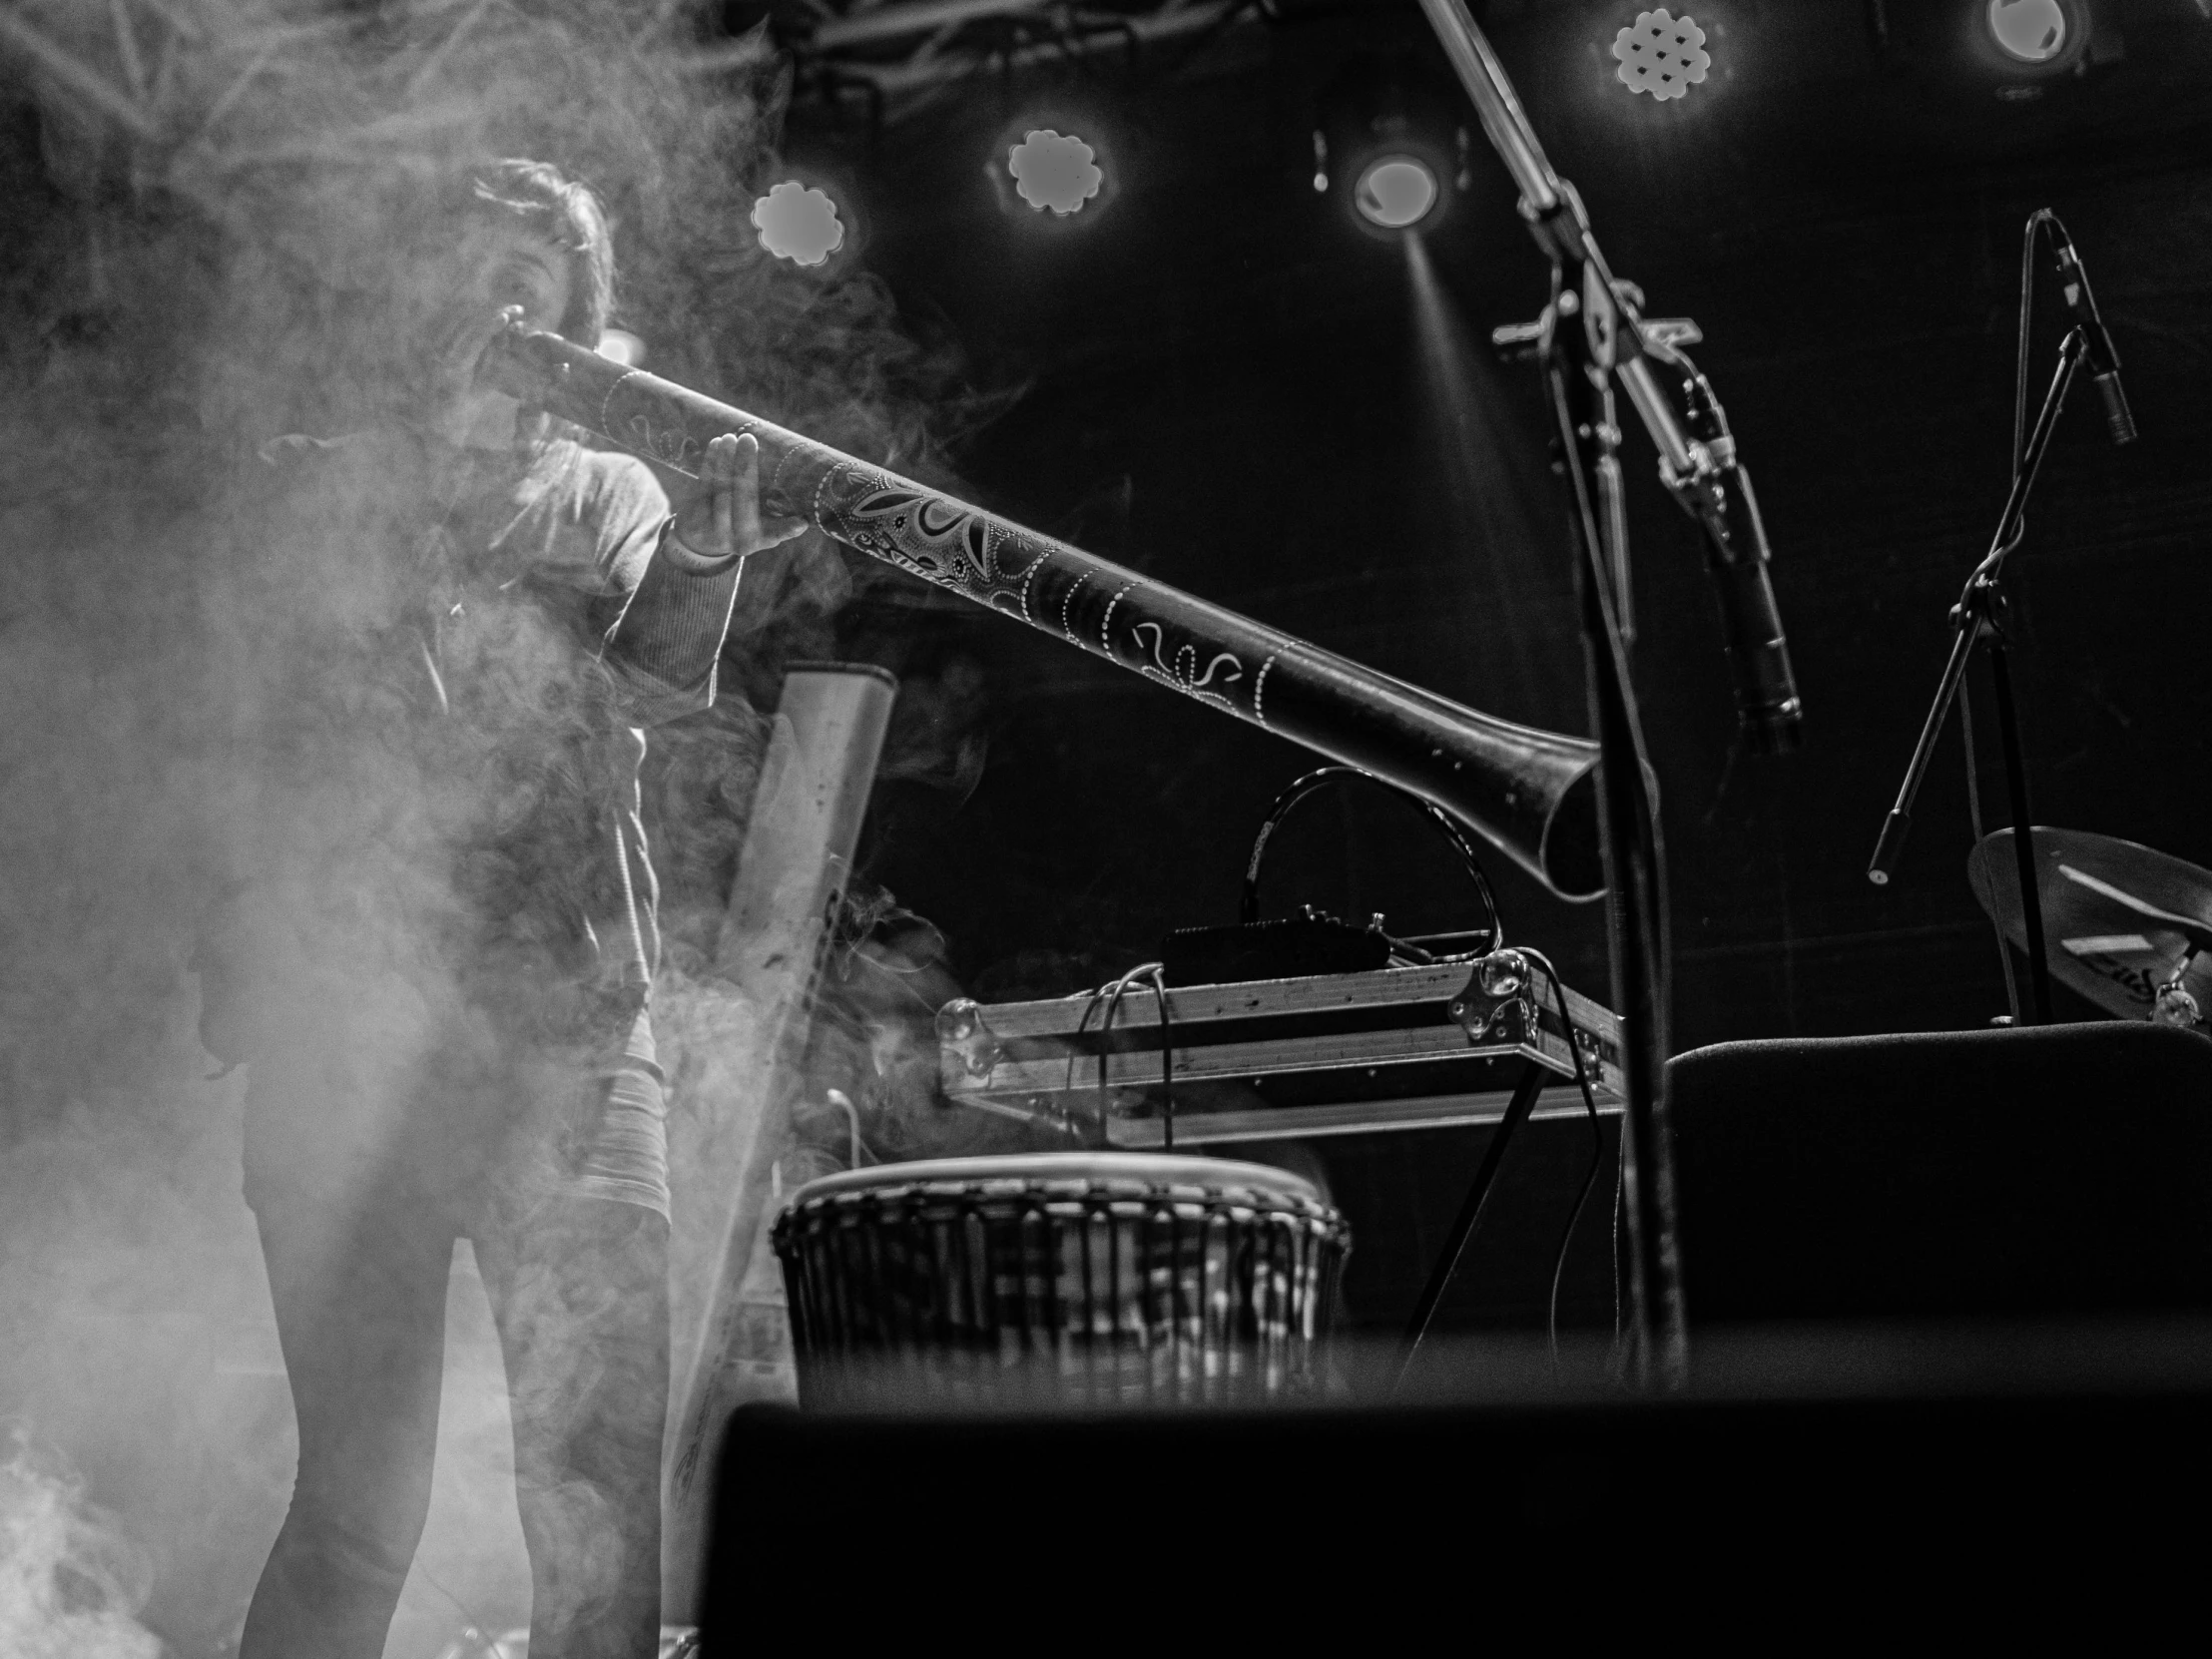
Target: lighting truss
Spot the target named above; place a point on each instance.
(901, 56)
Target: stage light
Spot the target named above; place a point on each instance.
(1054, 171)
(2029, 31)
(798, 222)
(2023, 51)
(1662, 55)
(1388, 144)
(1051, 170)
(1396, 193)
(2034, 47)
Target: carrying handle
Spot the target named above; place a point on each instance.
(1248, 911)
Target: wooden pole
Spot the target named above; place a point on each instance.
(792, 875)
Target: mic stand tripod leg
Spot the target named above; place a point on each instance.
(1524, 1101)
(2023, 823)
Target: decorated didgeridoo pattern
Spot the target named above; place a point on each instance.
(1529, 793)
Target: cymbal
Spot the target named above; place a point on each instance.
(2118, 918)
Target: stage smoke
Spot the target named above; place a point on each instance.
(1495, 531)
(69, 1583)
(206, 201)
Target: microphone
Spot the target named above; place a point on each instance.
(2104, 363)
(1737, 556)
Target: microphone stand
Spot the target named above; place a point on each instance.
(1580, 398)
(1592, 337)
(1981, 615)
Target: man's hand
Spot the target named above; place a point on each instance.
(723, 521)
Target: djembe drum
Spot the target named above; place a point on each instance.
(1086, 1279)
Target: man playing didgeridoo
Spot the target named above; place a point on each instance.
(436, 954)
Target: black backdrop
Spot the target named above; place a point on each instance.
(1225, 387)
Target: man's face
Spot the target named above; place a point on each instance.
(458, 307)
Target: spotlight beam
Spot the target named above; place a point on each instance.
(1658, 1317)
(1562, 228)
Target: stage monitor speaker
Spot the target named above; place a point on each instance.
(1350, 1532)
(1997, 1173)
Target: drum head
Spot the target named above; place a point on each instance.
(1137, 1171)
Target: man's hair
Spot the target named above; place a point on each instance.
(566, 214)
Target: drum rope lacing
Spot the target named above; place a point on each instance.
(1226, 1306)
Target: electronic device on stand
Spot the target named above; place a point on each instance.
(1408, 1047)
(1303, 1026)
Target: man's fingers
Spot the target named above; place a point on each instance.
(722, 457)
(743, 498)
(725, 517)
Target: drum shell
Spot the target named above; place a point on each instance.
(1096, 1281)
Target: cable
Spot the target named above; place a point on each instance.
(1075, 1042)
(1111, 998)
(1110, 995)
(1159, 979)
(1113, 994)
(1597, 1148)
(1662, 945)
(843, 1101)
(2035, 222)
(1248, 908)
(1620, 1201)
(1659, 947)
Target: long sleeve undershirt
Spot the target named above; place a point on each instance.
(669, 623)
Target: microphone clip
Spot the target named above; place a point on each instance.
(2102, 356)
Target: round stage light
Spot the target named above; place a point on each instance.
(1054, 171)
(1662, 55)
(799, 224)
(1396, 191)
(2029, 31)
(1389, 150)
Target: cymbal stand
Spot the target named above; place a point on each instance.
(1981, 615)
(2172, 1003)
